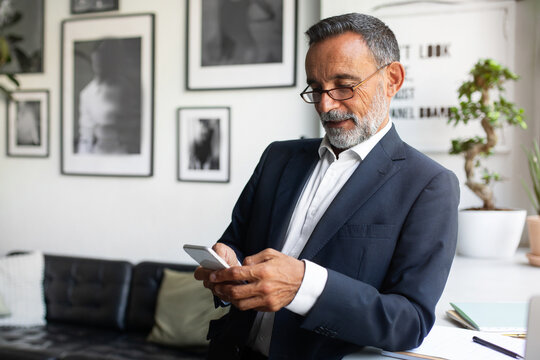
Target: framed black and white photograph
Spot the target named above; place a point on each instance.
(234, 44)
(204, 144)
(107, 95)
(21, 24)
(90, 6)
(28, 123)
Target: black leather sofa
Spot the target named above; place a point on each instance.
(95, 309)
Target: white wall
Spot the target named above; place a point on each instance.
(143, 218)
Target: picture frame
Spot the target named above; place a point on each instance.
(92, 6)
(24, 34)
(28, 123)
(240, 45)
(107, 96)
(203, 144)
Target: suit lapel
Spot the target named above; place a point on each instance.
(371, 174)
(292, 181)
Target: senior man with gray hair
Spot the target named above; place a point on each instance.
(344, 242)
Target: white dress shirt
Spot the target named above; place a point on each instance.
(327, 179)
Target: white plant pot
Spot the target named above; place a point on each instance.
(489, 234)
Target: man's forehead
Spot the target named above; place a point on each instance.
(346, 40)
(338, 57)
(342, 48)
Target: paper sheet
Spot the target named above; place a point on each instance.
(456, 344)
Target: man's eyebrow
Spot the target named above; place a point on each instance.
(342, 76)
(345, 77)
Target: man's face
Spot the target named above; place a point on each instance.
(345, 60)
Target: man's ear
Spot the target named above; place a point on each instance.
(395, 75)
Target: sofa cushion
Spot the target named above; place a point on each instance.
(184, 311)
(145, 285)
(50, 341)
(134, 347)
(25, 354)
(87, 291)
(72, 342)
(21, 287)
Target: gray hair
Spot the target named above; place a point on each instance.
(377, 36)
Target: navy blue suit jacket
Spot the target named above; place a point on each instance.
(387, 240)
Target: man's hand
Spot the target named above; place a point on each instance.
(273, 279)
(227, 254)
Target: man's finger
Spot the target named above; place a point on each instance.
(202, 273)
(234, 274)
(254, 302)
(236, 291)
(261, 257)
(226, 253)
(257, 303)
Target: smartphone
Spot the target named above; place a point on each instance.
(206, 257)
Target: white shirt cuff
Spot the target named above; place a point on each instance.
(312, 286)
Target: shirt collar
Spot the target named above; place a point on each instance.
(361, 150)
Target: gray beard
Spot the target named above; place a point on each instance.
(363, 129)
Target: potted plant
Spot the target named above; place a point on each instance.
(533, 221)
(486, 231)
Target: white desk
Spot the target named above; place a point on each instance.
(480, 280)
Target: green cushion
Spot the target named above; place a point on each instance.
(183, 311)
(4, 311)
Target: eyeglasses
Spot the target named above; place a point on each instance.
(340, 93)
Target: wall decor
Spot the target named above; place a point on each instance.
(240, 44)
(89, 6)
(203, 144)
(21, 29)
(107, 88)
(429, 42)
(28, 123)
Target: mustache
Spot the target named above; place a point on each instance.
(336, 116)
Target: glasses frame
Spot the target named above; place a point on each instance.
(327, 92)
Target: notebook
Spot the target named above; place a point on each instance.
(494, 317)
(452, 314)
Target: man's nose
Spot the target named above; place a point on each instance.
(327, 103)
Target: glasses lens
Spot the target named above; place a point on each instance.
(311, 97)
(341, 93)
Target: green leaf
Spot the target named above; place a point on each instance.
(493, 116)
(4, 51)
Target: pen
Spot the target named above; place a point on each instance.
(492, 346)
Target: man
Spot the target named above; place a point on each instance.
(373, 221)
